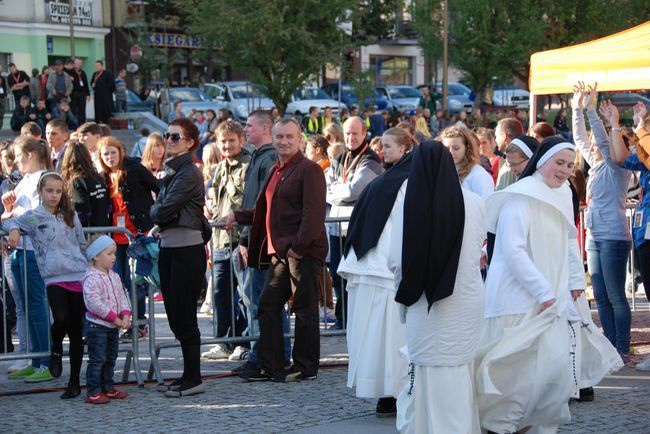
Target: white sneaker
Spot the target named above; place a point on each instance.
(217, 352)
(644, 366)
(240, 353)
(17, 365)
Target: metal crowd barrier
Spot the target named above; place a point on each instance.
(132, 353)
(250, 335)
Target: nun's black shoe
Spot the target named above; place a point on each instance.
(586, 395)
(386, 407)
(71, 391)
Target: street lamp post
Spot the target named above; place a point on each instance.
(71, 19)
(445, 54)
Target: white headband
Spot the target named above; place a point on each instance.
(554, 150)
(524, 147)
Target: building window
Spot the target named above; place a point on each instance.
(392, 70)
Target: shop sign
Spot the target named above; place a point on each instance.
(174, 40)
(82, 13)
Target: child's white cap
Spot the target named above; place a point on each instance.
(99, 245)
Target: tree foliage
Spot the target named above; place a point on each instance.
(426, 16)
(279, 43)
(374, 20)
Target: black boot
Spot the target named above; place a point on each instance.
(56, 364)
(72, 390)
(586, 395)
(386, 407)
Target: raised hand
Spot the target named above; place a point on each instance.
(610, 113)
(640, 113)
(591, 97)
(578, 95)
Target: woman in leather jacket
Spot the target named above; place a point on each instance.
(178, 212)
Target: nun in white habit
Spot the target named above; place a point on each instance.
(442, 331)
(529, 362)
(374, 333)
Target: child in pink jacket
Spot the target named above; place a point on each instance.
(107, 311)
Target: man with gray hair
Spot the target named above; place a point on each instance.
(288, 232)
(347, 177)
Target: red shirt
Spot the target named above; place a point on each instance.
(120, 212)
(276, 177)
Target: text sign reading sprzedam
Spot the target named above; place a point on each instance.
(82, 13)
(173, 40)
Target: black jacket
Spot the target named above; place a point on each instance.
(91, 201)
(136, 191)
(182, 196)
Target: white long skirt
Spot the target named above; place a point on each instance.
(438, 400)
(375, 335)
(523, 377)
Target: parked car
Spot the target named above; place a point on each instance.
(135, 104)
(239, 97)
(349, 98)
(402, 98)
(307, 97)
(511, 96)
(192, 98)
(628, 99)
(459, 97)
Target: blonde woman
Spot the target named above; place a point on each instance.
(333, 133)
(154, 154)
(211, 157)
(464, 147)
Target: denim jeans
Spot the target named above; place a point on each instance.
(21, 325)
(606, 260)
(224, 301)
(36, 310)
(123, 269)
(103, 343)
(252, 282)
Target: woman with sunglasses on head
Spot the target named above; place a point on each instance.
(130, 187)
(184, 230)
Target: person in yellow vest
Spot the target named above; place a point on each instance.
(329, 118)
(313, 124)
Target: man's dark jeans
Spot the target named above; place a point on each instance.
(286, 277)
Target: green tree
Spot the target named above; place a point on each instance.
(426, 16)
(374, 20)
(363, 86)
(279, 43)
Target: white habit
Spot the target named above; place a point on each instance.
(374, 333)
(440, 396)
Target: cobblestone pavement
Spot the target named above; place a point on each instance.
(324, 405)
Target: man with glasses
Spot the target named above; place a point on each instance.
(507, 129)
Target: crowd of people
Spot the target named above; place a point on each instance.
(456, 269)
(61, 91)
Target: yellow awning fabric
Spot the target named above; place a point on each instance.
(617, 62)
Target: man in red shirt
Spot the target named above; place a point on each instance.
(288, 230)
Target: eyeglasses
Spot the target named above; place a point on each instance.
(512, 164)
(174, 137)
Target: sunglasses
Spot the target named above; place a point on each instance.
(174, 137)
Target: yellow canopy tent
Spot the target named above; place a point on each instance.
(617, 62)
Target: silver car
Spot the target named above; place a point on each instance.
(239, 97)
(402, 98)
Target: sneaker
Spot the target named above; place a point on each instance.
(97, 398)
(116, 394)
(26, 371)
(174, 385)
(143, 333)
(158, 296)
(41, 374)
(17, 365)
(254, 374)
(218, 352)
(127, 336)
(185, 390)
(644, 366)
(240, 353)
(292, 374)
(386, 407)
